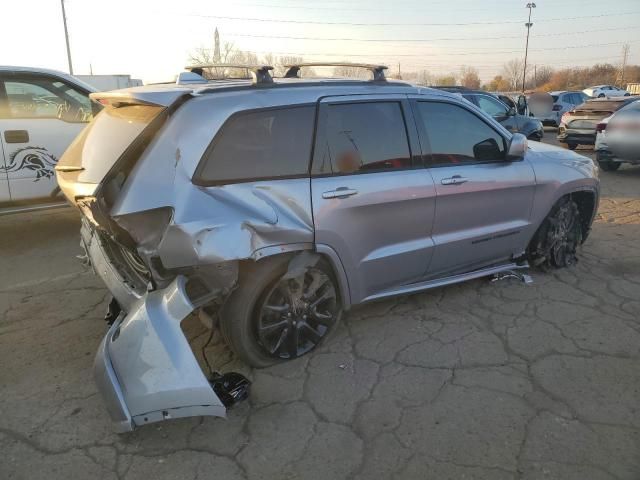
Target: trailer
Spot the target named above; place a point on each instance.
(105, 83)
(633, 88)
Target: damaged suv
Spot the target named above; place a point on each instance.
(277, 204)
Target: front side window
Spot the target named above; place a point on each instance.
(457, 136)
(260, 144)
(364, 138)
(46, 98)
(492, 106)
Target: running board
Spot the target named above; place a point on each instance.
(31, 208)
(441, 282)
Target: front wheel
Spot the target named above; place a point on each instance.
(601, 95)
(556, 242)
(572, 146)
(273, 316)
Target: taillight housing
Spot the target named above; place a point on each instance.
(601, 127)
(557, 108)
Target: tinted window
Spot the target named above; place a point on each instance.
(46, 98)
(555, 98)
(261, 144)
(492, 106)
(457, 136)
(366, 137)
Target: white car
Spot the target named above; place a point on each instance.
(563, 101)
(41, 112)
(602, 91)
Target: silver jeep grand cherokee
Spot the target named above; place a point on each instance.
(277, 204)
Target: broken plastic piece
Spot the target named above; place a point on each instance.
(523, 277)
(113, 311)
(231, 387)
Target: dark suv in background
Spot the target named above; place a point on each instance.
(506, 115)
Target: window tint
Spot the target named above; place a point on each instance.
(457, 136)
(46, 98)
(492, 106)
(555, 98)
(261, 144)
(365, 137)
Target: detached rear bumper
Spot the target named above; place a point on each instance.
(145, 369)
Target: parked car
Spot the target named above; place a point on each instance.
(618, 138)
(507, 116)
(608, 91)
(41, 112)
(279, 204)
(578, 126)
(563, 101)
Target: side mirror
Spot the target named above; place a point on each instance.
(517, 147)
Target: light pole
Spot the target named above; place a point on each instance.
(66, 37)
(526, 49)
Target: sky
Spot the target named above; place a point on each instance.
(152, 39)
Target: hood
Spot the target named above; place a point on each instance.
(541, 152)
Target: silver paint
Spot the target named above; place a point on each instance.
(398, 232)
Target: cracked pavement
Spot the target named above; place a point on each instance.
(479, 380)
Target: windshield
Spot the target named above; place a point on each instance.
(105, 139)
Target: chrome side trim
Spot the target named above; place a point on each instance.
(441, 282)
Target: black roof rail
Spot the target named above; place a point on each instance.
(259, 73)
(377, 71)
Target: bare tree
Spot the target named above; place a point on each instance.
(542, 74)
(469, 77)
(512, 73)
(498, 84)
(351, 72)
(445, 80)
(422, 77)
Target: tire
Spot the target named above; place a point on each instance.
(262, 336)
(535, 136)
(556, 241)
(609, 166)
(601, 95)
(627, 94)
(572, 146)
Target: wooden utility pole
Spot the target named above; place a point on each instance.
(66, 37)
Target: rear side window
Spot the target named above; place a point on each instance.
(259, 145)
(365, 137)
(457, 136)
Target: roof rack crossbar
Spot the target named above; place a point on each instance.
(259, 73)
(377, 71)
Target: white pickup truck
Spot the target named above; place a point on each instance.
(41, 112)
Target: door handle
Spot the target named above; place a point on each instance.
(455, 180)
(16, 136)
(341, 192)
